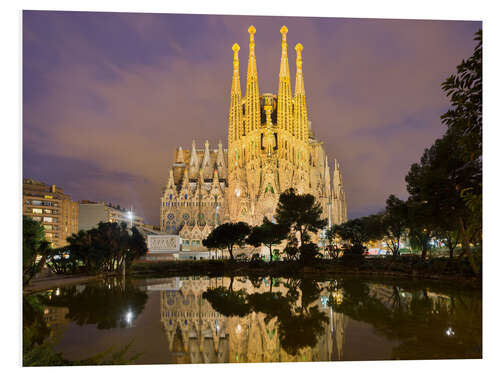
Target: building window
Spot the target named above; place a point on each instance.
(47, 227)
(46, 211)
(37, 218)
(47, 220)
(37, 210)
(36, 203)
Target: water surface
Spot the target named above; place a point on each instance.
(220, 320)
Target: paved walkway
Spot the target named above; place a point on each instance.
(58, 281)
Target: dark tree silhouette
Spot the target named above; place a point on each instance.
(269, 234)
(227, 236)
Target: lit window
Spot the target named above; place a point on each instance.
(37, 210)
(47, 220)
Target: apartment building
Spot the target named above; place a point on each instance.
(52, 208)
(92, 213)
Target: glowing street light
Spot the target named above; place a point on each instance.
(450, 332)
(130, 215)
(128, 317)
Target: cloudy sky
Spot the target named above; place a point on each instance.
(107, 97)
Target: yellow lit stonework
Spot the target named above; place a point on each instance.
(271, 147)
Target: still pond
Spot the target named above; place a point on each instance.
(253, 319)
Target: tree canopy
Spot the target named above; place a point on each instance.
(107, 248)
(35, 248)
(301, 213)
(269, 234)
(227, 235)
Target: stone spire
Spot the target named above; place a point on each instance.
(220, 156)
(252, 106)
(215, 189)
(300, 110)
(235, 109)
(284, 89)
(327, 176)
(185, 182)
(206, 156)
(171, 183)
(193, 161)
(179, 157)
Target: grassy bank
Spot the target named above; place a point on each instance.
(400, 267)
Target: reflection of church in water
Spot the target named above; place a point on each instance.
(198, 334)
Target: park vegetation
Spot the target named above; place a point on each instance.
(109, 248)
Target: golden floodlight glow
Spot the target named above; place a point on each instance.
(270, 148)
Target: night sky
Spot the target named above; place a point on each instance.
(107, 97)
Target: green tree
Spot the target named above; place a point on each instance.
(35, 249)
(435, 185)
(421, 226)
(359, 231)
(465, 121)
(465, 90)
(269, 234)
(107, 248)
(227, 236)
(394, 222)
(300, 213)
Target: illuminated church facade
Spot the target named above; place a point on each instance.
(271, 147)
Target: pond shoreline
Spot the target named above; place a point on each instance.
(375, 269)
(366, 270)
(56, 281)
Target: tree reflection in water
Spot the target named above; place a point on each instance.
(107, 303)
(424, 324)
(427, 325)
(299, 323)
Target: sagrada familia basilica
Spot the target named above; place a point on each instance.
(271, 147)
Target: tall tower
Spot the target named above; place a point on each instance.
(252, 104)
(300, 109)
(235, 109)
(284, 88)
(270, 148)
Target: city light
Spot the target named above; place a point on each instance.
(450, 332)
(128, 317)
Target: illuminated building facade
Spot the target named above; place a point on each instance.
(52, 208)
(271, 147)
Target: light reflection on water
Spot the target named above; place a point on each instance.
(220, 320)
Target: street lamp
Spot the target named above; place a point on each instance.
(131, 217)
